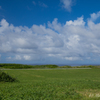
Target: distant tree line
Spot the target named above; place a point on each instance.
(22, 66)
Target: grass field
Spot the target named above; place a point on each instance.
(53, 84)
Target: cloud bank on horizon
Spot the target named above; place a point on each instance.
(74, 40)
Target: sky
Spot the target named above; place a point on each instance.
(50, 31)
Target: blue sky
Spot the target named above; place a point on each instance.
(50, 31)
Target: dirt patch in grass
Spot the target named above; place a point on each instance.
(89, 93)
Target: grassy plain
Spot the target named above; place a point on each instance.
(52, 84)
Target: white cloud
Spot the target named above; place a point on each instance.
(72, 58)
(79, 22)
(67, 4)
(95, 16)
(71, 41)
(4, 25)
(27, 57)
(18, 57)
(57, 26)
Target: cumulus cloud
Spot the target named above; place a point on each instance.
(95, 16)
(71, 41)
(79, 22)
(67, 4)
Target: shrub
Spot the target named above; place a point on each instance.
(67, 66)
(6, 78)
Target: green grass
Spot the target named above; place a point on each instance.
(63, 84)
